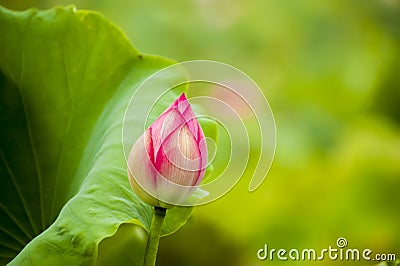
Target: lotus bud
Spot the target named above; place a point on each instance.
(167, 163)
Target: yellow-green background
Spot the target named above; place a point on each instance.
(331, 73)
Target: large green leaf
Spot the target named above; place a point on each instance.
(66, 79)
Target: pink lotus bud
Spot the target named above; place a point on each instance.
(168, 161)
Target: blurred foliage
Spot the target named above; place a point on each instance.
(330, 70)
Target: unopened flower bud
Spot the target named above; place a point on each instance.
(168, 161)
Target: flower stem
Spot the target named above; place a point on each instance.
(154, 236)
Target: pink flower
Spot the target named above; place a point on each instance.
(168, 161)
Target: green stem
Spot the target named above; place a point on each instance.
(154, 236)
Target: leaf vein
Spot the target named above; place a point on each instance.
(66, 135)
(16, 221)
(13, 236)
(50, 244)
(33, 148)
(73, 216)
(14, 181)
(10, 246)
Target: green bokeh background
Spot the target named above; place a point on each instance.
(331, 73)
